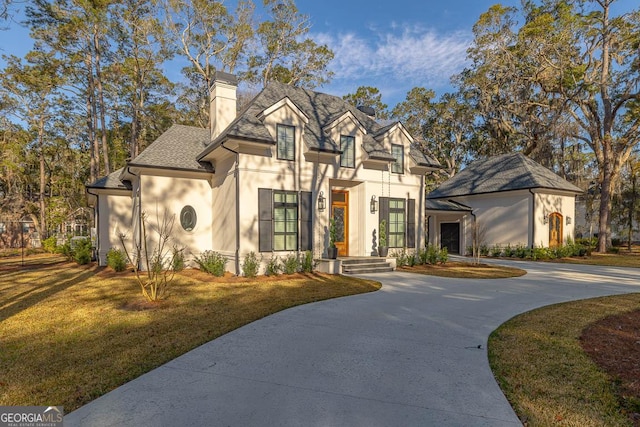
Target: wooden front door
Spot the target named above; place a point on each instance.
(340, 212)
(555, 230)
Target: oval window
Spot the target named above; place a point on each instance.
(188, 218)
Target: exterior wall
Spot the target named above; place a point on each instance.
(508, 218)
(223, 208)
(114, 211)
(168, 195)
(260, 168)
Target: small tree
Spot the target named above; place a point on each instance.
(478, 236)
(158, 261)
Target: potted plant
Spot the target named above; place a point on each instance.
(383, 249)
(332, 250)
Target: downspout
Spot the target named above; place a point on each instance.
(533, 218)
(139, 197)
(475, 219)
(96, 220)
(237, 176)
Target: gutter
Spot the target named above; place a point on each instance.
(237, 174)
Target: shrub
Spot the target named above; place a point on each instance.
(443, 256)
(422, 256)
(49, 244)
(412, 260)
(613, 250)
(65, 250)
(508, 251)
(212, 262)
(290, 264)
(496, 251)
(116, 259)
(82, 251)
(177, 261)
(521, 251)
(484, 250)
(401, 258)
(307, 264)
(273, 267)
(432, 254)
(251, 264)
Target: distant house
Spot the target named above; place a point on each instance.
(510, 198)
(269, 179)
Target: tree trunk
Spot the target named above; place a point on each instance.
(91, 133)
(98, 80)
(42, 229)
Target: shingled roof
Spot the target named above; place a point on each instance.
(111, 182)
(177, 148)
(507, 172)
(321, 109)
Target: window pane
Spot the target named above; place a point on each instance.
(347, 145)
(292, 198)
(292, 242)
(286, 139)
(398, 152)
(278, 242)
(279, 226)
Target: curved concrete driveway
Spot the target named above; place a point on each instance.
(411, 354)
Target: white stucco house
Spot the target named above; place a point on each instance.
(510, 198)
(269, 178)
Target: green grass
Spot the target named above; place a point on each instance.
(70, 333)
(538, 361)
(466, 270)
(611, 260)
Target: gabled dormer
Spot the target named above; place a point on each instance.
(347, 133)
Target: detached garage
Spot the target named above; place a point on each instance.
(511, 199)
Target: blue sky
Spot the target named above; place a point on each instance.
(397, 45)
(393, 46)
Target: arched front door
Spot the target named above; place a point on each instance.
(555, 230)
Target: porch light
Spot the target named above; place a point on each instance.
(322, 201)
(545, 219)
(373, 206)
(568, 220)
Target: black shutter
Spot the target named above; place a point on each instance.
(265, 219)
(306, 228)
(383, 214)
(411, 223)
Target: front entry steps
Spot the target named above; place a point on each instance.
(365, 265)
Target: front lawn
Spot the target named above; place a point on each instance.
(541, 366)
(70, 333)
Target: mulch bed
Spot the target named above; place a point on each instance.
(614, 344)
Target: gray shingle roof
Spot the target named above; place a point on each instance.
(321, 109)
(501, 173)
(177, 148)
(445, 205)
(111, 181)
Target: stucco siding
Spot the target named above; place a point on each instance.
(114, 219)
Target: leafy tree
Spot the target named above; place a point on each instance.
(31, 89)
(285, 53)
(570, 70)
(367, 96)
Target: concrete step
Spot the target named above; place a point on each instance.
(365, 265)
(366, 269)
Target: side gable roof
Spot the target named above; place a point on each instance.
(177, 148)
(111, 182)
(507, 172)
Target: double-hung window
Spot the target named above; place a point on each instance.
(285, 221)
(348, 156)
(286, 142)
(397, 151)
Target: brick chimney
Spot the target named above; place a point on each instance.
(222, 102)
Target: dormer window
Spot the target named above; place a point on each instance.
(286, 142)
(348, 156)
(397, 151)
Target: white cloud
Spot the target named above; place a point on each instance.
(396, 60)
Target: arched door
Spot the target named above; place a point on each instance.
(555, 230)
